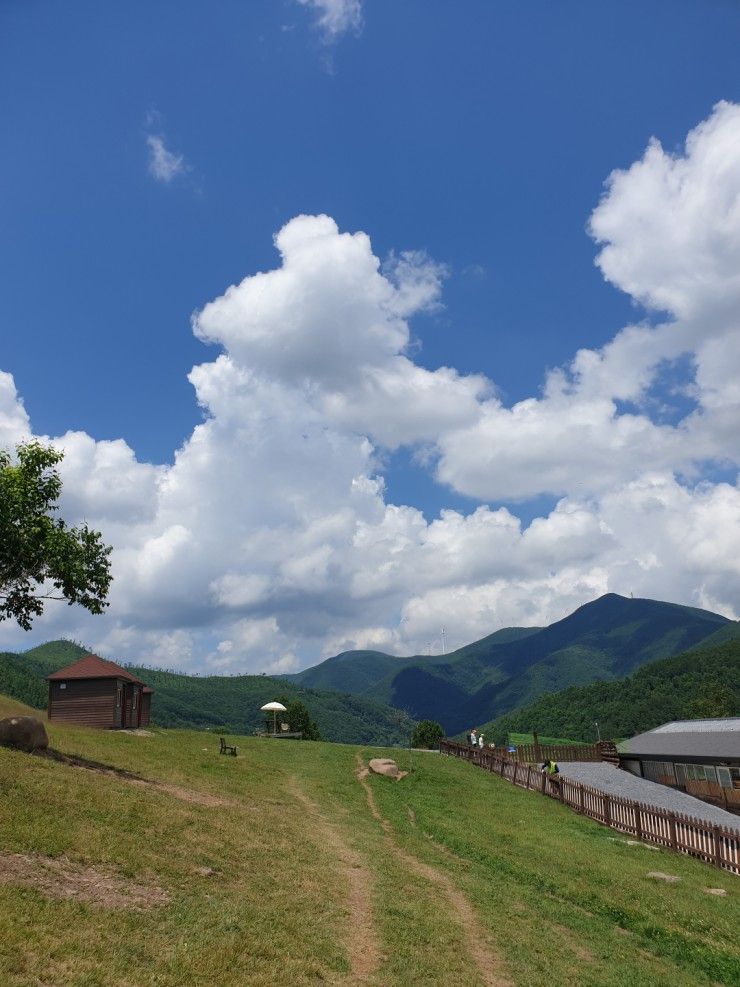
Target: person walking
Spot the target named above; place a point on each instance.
(480, 741)
(474, 737)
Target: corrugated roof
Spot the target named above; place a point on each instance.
(720, 725)
(718, 738)
(92, 667)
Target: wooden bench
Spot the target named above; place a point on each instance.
(227, 748)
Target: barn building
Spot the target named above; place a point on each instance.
(701, 757)
(98, 693)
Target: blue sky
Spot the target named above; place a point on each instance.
(479, 133)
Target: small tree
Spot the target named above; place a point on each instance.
(41, 558)
(299, 720)
(427, 735)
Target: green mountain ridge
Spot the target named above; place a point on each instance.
(602, 640)
(231, 703)
(700, 682)
(372, 697)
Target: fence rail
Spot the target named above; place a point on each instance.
(714, 844)
(558, 752)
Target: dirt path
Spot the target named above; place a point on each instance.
(363, 948)
(489, 966)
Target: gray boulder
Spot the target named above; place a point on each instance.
(25, 733)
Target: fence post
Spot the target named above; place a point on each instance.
(607, 810)
(717, 845)
(672, 825)
(516, 768)
(638, 820)
(581, 798)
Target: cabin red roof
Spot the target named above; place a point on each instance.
(92, 667)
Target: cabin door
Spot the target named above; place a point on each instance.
(119, 705)
(128, 706)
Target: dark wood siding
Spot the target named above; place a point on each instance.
(146, 708)
(91, 702)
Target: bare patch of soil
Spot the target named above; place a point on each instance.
(489, 965)
(363, 949)
(185, 794)
(58, 877)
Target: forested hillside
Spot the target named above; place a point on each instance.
(698, 683)
(603, 640)
(216, 702)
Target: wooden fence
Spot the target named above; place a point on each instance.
(558, 752)
(715, 844)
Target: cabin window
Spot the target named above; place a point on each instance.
(660, 771)
(62, 685)
(119, 692)
(696, 772)
(725, 778)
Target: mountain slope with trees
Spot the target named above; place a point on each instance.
(698, 683)
(603, 640)
(231, 703)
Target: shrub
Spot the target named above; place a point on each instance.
(427, 734)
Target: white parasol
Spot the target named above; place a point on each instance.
(273, 708)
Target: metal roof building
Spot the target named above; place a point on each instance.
(701, 757)
(696, 740)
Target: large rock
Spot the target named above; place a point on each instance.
(385, 766)
(26, 733)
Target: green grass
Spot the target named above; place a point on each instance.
(560, 899)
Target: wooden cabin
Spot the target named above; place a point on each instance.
(98, 693)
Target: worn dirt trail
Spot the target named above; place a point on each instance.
(363, 947)
(488, 964)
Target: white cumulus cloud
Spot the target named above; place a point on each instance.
(270, 541)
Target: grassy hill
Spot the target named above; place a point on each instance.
(672, 689)
(603, 640)
(216, 702)
(274, 866)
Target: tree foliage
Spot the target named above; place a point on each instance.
(41, 557)
(695, 684)
(427, 735)
(299, 720)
